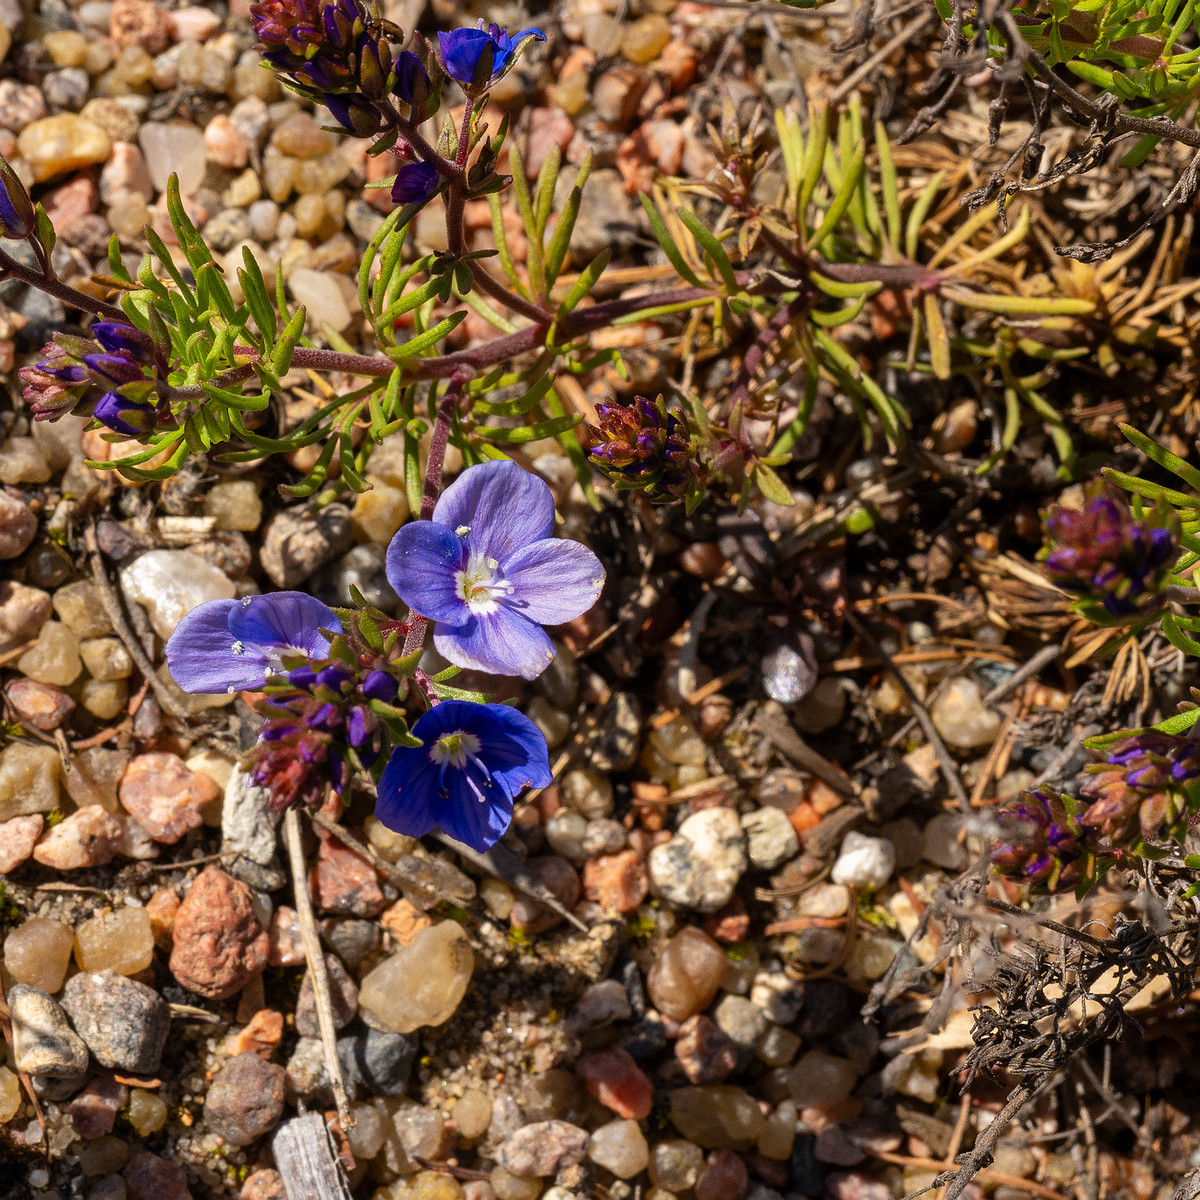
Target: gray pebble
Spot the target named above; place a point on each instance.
(123, 1022)
(376, 1063)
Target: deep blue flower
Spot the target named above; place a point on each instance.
(233, 645)
(476, 58)
(123, 415)
(486, 569)
(416, 183)
(473, 762)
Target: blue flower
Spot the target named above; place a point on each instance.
(487, 571)
(416, 183)
(473, 762)
(123, 415)
(476, 58)
(233, 645)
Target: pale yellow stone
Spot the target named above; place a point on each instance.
(147, 1113)
(78, 606)
(422, 983)
(38, 952)
(379, 512)
(235, 505)
(54, 658)
(122, 941)
(65, 142)
(10, 1089)
(105, 698)
(29, 779)
(106, 659)
(67, 47)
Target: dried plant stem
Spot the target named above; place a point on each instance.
(945, 760)
(116, 615)
(316, 964)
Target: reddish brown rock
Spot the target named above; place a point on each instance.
(261, 1035)
(266, 1184)
(95, 1108)
(730, 923)
(618, 1083)
(617, 881)
(559, 876)
(344, 882)
(164, 796)
(148, 1177)
(724, 1178)
(707, 1054)
(219, 943)
(18, 837)
(139, 23)
(38, 704)
(404, 921)
(89, 837)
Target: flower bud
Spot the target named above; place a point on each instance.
(123, 415)
(1042, 843)
(17, 217)
(645, 447)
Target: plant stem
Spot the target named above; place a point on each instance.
(11, 269)
(434, 466)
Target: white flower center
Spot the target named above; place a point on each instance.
(481, 585)
(454, 749)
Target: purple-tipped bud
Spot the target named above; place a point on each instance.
(57, 383)
(1042, 844)
(114, 370)
(1107, 554)
(358, 116)
(379, 685)
(358, 727)
(16, 208)
(334, 678)
(303, 678)
(115, 337)
(643, 446)
(123, 415)
(416, 183)
(412, 80)
(1140, 788)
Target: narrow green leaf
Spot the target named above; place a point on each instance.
(533, 250)
(423, 341)
(842, 199)
(712, 247)
(543, 197)
(662, 235)
(587, 280)
(1161, 455)
(530, 433)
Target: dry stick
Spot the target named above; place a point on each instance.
(116, 615)
(789, 742)
(504, 864)
(1043, 658)
(316, 965)
(945, 760)
(857, 76)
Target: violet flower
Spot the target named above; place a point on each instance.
(474, 761)
(487, 571)
(416, 183)
(476, 58)
(233, 645)
(1042, 843)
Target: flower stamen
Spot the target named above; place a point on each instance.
(480, 585)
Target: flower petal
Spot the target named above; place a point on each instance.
(281, 621)
(503, 506)
(408, 792)
(515, 751)
(477, 823)
(502, 642)
(553, 580)
(422, 560)
(461, 51)
(200, 653)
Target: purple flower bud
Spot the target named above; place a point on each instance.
(333, 678)
(645, 447)
(16, 208)
(358, 727)
(379, 685)
(303, 678)
(116, 369)
(416, 183)
(412, 80)
(1042, 845)
(123, 415)
(359, 117)
(1108, 555)
(114, 336)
